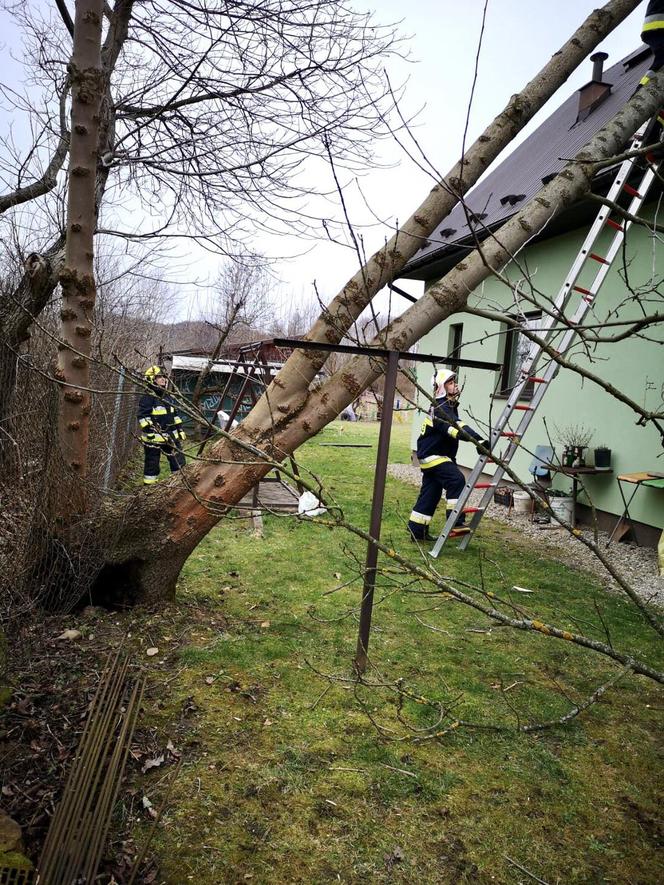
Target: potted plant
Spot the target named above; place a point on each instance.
(602, 456)
(575, 439)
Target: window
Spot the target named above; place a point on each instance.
(454, 342)
(516, 351)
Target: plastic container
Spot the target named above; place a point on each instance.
(603, 458)
(522, 502)
(563, 508)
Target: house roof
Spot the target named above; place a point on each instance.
(198, 363)
(521, 175)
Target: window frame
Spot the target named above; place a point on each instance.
(508, 369)
(454, 343)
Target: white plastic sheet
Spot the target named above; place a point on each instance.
(309, 505)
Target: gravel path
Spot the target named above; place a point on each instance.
(638, 565)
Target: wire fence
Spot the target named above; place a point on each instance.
(40, 562)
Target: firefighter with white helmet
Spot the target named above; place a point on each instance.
(437, 448)
(161, 426)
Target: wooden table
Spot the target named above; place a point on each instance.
(574, 473)
(641, 478)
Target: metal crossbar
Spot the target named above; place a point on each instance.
(528, 372)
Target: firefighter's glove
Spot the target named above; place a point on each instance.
(483, 443)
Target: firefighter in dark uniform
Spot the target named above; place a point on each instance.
(161, 427)
(652, 33)
(437, 448)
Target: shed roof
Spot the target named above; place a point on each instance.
(198, 363)
(520, 176)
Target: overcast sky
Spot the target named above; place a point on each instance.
(520, 35)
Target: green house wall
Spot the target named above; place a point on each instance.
(634, 366)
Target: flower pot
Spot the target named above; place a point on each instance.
(602, 458)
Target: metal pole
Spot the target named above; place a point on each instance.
(114, 428)
(376, 511)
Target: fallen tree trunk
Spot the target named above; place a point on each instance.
(180, 512)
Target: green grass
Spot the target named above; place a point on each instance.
(287, 780)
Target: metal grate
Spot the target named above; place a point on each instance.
(12, 876)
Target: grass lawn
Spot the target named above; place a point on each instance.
(286, 779)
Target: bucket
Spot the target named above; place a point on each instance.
(522, 502)
(563, 508)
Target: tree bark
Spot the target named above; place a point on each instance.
(77, 276)
(181, 511)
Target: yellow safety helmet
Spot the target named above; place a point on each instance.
(152, 373)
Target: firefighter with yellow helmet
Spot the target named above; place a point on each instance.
(161, 426)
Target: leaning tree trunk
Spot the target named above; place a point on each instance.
(386, 264)
(181, 512)
(77, 276)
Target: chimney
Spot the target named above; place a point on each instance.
(598, 60)
(593, 94)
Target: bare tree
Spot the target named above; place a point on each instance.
(207, 117)
(240, 304)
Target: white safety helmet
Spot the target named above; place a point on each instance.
(441, 378)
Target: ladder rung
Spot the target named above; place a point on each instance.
(485, 485)
(509, 433)
(614, 224)
(455, 533)
(597, 257)
(523, 409)
(589, 299)
(582, 290)
(473, 509)
(536, 380)
(632, 191)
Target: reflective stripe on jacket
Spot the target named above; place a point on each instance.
(159, 420)
(654, 20)
(439, 440)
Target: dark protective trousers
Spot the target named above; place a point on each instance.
(153, 454)
(445, 477)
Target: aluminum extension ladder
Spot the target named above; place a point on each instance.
(527, 373)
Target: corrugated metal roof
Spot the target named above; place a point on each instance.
(542, 154)
(198, 363)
